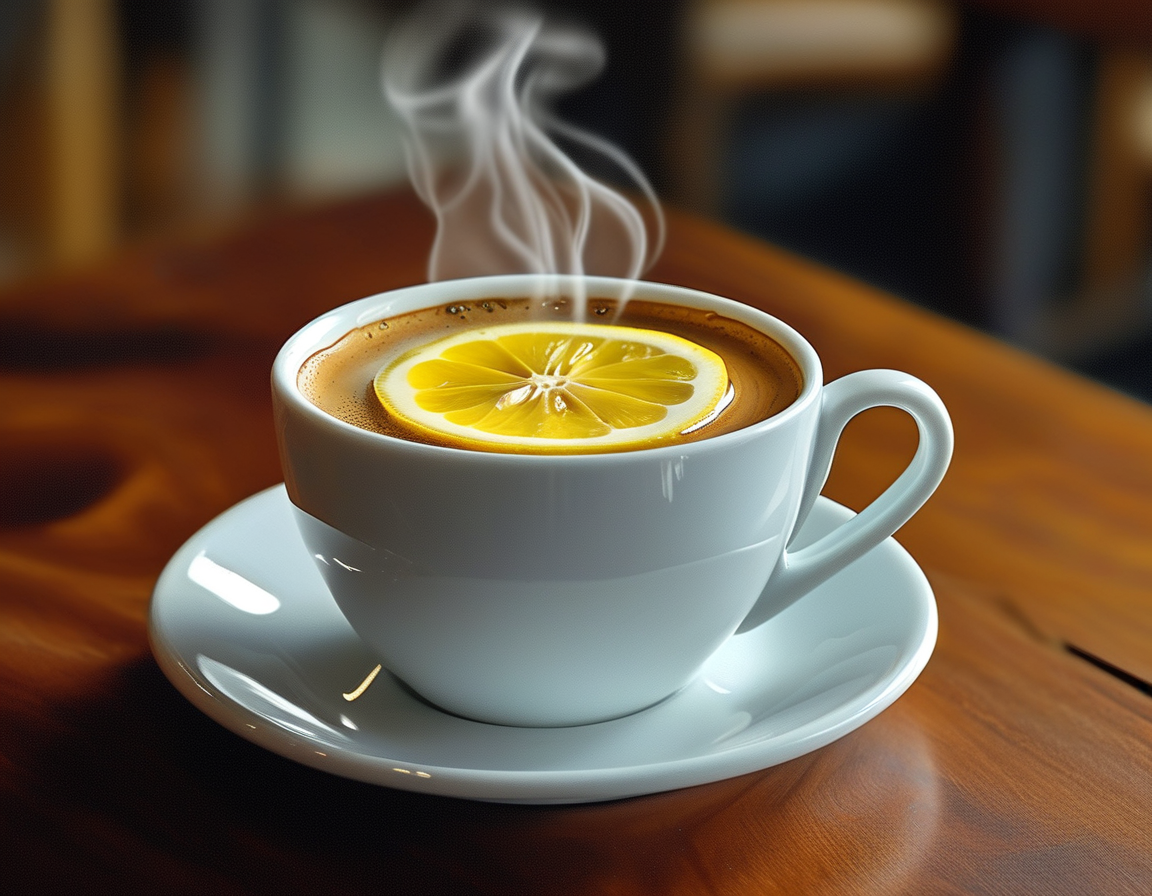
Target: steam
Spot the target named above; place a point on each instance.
(475, 88)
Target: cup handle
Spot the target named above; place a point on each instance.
(799, 571)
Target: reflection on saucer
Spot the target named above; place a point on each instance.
(359, 690)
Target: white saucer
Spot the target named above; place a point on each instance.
(243, 625)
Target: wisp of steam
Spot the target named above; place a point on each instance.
(475, 87)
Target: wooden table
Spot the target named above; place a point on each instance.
(134, 407)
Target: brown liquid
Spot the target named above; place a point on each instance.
(338, 379)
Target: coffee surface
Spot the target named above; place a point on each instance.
(764, 377)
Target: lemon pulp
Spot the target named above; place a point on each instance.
(553, 388)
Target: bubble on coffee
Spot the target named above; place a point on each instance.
(510, 183)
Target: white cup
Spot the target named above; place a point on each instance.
(567, 589)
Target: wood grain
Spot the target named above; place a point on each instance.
(134, 407)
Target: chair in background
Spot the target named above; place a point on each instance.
(735, 49)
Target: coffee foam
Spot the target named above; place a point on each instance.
(338, 379)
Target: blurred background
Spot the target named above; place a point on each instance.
(989, 160)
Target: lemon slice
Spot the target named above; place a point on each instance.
(553, 388)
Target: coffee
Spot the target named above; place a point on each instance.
(765, 379)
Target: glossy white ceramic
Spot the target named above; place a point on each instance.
(560, 590)
(243, 625)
